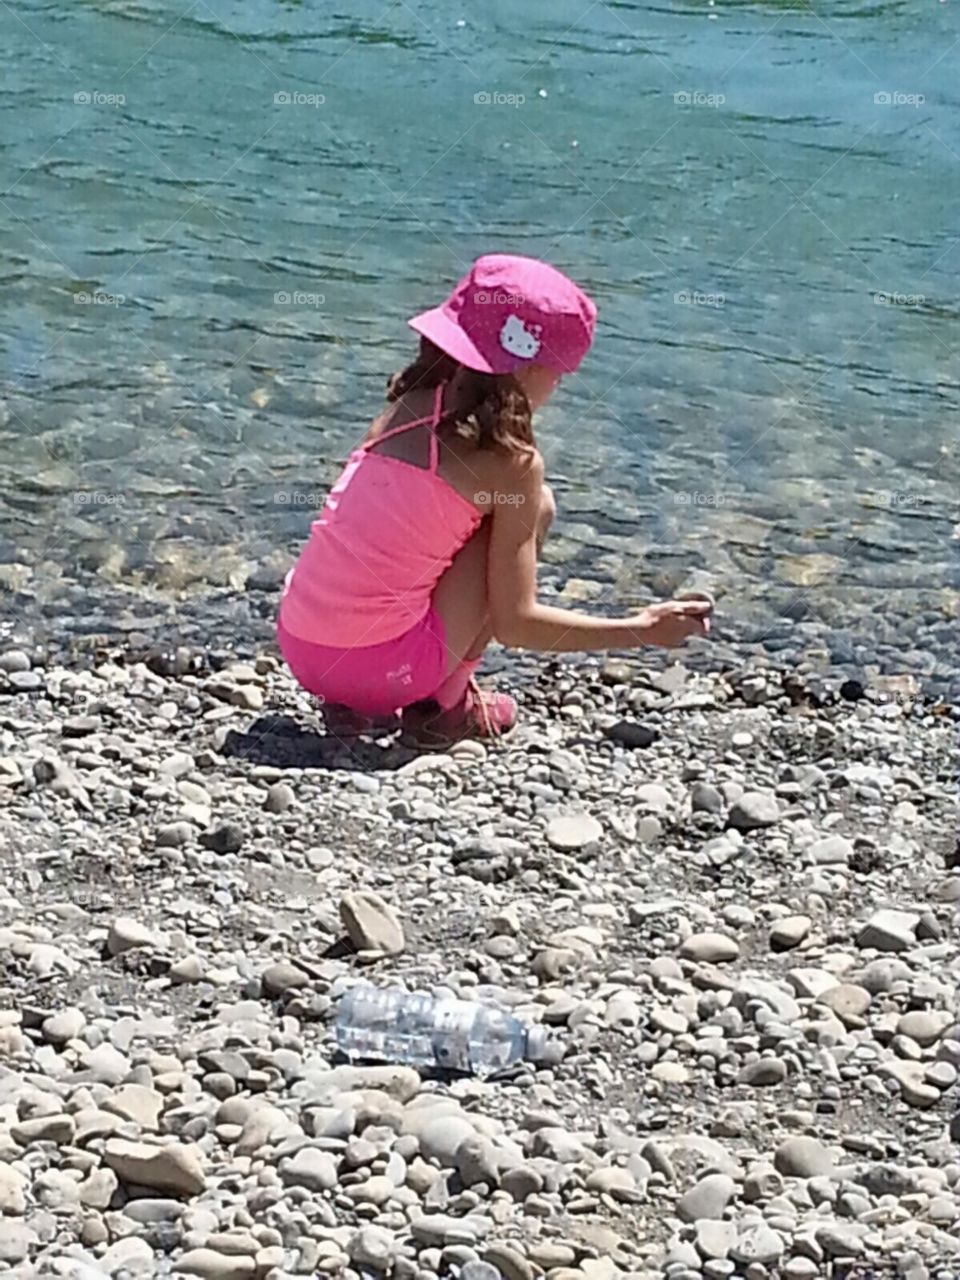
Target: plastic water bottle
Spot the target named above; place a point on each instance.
(424, 1030)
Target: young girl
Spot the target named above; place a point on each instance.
(427, 546)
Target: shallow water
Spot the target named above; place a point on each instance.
(204, 288)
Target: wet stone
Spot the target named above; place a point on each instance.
(631, 734)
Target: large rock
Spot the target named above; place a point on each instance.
(211, 1265)
(97, 1190)
(371, 924)
(282, 976)
(131, 1258)
(705, 798)
(264, 1125)
(769, 993)
(753, 811)
(127, 934)
(715, 1239)
(106, 1064)
(64, 1025)
(439, 1229)
(889, 931)
(842, 1239)
(764, 1072)
(710, 948)
(803, 1157)
(402, 1083)
(137, 1103)
(53, 1128)
(707, 1198)
(225, 837)
(316, 1170)
(913, 1088)
(809, 984)
(652, 798)
(16, 1241)
(832, 851)
(848, 1001)
(573, 831)
(757, 1244)
(509, 1262)
(372, 1247)
(789, 932)
(613, 1181)
(882, 974)
(476, 1161)
(924, 1026)
(13, 1187)
(176, 1167)
(631, 734)
(441, 1138)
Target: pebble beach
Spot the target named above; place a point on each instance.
(721, 883)
(727, 888)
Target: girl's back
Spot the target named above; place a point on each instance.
(390, 527)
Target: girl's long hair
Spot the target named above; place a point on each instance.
(493, 410)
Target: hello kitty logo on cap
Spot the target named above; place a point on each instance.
(509, 311)
(518, 340)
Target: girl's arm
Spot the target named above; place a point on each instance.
(520, 621)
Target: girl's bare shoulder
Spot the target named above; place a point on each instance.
(500, 462)
(517, 469)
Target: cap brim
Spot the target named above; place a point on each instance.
(436, 326)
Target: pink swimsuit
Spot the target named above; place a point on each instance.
(357, 624)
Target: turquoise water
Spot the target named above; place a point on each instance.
(205, 283)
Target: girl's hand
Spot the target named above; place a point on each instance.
(670, 623)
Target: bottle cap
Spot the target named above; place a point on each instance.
(537, 1040)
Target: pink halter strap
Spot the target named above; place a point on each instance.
(432, 420)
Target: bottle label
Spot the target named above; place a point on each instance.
(452, 1022)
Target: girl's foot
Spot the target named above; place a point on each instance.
(341, 722)
(483, 715)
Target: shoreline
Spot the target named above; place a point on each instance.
(88, 615)
(760, 1068)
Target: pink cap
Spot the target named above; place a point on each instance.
(508, 312)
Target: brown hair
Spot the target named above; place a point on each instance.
(492, 409)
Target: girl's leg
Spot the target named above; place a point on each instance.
(461, 601)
